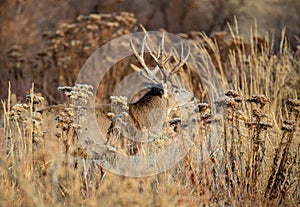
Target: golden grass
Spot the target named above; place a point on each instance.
(257, 162)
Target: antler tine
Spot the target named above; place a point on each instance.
(161, 50)
(148, 47)
(151, 53)
(181, 61)
(187, 54)
(145, 72)
(159, 59)
(162, 61)
(139, 57)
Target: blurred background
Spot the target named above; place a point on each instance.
(23, 23)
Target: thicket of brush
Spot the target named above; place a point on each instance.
(256, 162)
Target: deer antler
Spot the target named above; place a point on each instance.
(181, 61)
(146, 71)
(160, 60)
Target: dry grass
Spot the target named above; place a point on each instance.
(257, 161)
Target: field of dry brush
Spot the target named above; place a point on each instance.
(257, 161)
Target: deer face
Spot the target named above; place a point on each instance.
(159, 78)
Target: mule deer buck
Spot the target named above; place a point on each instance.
(153, 107)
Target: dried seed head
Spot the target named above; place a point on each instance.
(59, 34)
(289, 128)
(228, 102)
(231, 103)
(289, 122)
(96, 17)
(80, 92)
(293, 102)
(205, 117)
(119, 105)
(92, 27)
(214, 119)
(232, 94)
(19, 108)
(289, 125)
(14, 52)
(65, 88)
(36, 99)
(265, 125)
(293, 105)
(259, 99)
(82, 18)
(37, 116)
(69, 26)
(202, 107)
(262, 125)
(238, 99)
(258, 113)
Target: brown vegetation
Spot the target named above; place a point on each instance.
(253, 161)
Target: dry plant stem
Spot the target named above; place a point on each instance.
(30, 141)
(287, 182)
(277, 176)
(240, 163)
(7, 128)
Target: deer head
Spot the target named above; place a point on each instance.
(161, 75)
